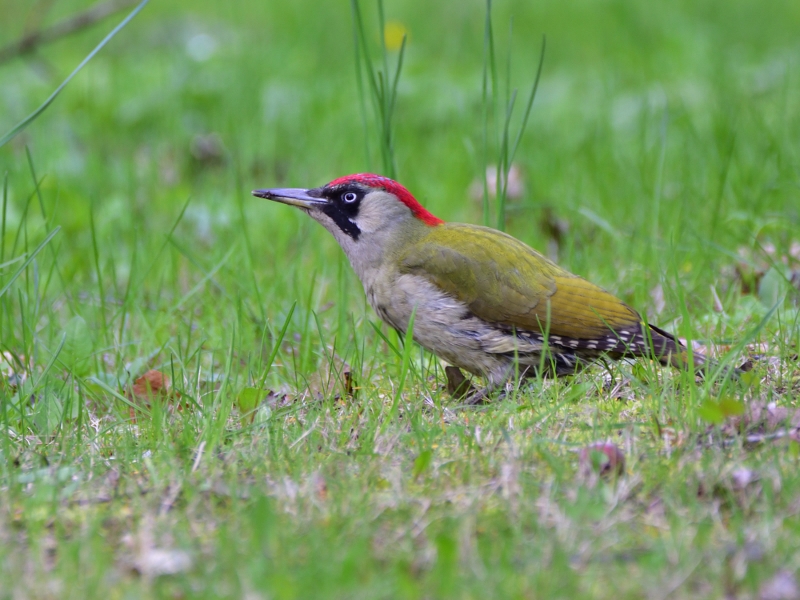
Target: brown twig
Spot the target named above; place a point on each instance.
(30, 41)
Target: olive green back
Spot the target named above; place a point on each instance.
(502, 280)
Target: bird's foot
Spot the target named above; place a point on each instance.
(497, 383)
(478, 398)
(482, 396)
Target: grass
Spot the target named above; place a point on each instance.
(660, 161)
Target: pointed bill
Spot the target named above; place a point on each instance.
(292, 196)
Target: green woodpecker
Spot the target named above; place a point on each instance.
(482, 300)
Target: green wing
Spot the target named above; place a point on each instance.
(502, 280)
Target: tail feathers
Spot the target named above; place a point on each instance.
(637, 340)
(669, 351)
(651, 342)
(634, 341)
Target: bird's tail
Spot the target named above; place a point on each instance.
(668, 350)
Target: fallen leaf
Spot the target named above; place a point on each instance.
(150, 385)
(153, 385)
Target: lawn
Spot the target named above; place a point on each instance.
(285, 443)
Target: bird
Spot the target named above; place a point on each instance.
(480, 299)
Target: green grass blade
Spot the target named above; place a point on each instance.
(277, 346)
(382, 85)
(118, 396)
(408, 345)
(5, 213)
(52, 360)
(487, 84)
(98, 269)
(30, 258)
(32, 117)
(529, 105)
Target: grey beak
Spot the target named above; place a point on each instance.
(291, 196)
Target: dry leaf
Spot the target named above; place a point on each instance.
(150, 385)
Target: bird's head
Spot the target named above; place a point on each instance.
(358, 207)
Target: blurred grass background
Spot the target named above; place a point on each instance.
(645, 117)
(663, 141)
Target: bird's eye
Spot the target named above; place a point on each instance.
(349, 197)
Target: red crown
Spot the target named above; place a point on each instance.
(391, 186)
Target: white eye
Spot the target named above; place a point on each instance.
(349, 197)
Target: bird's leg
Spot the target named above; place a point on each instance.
(458, 386)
